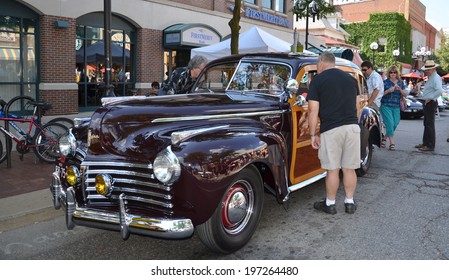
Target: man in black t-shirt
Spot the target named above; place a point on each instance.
(334, 98)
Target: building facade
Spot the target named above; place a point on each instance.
(423, 33)
(54, 50)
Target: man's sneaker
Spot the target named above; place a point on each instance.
(350, 208)
(321, 205)
(419, 146)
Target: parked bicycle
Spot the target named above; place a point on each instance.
(41, 138)
(24, 106)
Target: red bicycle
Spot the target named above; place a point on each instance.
(44, 141)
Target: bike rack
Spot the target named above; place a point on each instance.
(8, 140)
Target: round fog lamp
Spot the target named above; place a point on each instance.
(103, 184)
(72, 175)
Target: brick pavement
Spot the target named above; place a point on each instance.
(24, 176)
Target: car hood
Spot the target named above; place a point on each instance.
(140, 128)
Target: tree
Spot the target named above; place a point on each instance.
(442, 53)
(395, 30)
(311, 8)
(234, 24)
(318, 8)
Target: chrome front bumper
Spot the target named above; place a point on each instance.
(120, 221)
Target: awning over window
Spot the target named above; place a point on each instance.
(190, 35)
(14, 54)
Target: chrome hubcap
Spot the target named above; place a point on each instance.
(237, 207)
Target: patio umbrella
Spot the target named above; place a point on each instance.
(411, 75)
(95, 53)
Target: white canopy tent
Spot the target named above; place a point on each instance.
(253, 40)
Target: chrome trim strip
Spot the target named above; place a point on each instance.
(134, 198)
(221, 116)
(164, 228)
(178, 136)
(133, 190)
(112, 163)
(132, 182)
(307, 182)
(119, 172)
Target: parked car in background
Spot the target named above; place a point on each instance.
(441, 104)
(166, 166)
(414, 108)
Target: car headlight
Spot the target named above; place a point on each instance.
(166, 167)
(67, 144)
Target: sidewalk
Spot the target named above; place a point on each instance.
(25, 187)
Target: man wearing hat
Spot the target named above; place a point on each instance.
(432, 90)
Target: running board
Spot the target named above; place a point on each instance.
(307, 182)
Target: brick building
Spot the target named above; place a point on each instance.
(423, 33)
(54, 50)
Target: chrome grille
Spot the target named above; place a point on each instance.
(135, 180)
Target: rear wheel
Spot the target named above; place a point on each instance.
(237, 215)
(46, 141)
(64, 121)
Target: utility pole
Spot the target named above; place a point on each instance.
(108, 87)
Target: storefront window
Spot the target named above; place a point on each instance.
(280, 6)
(254, 2)
(18, 71)
(90, 60)
(266, 4)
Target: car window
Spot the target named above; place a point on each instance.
(260, 76)
(305, 82)
(216, 78)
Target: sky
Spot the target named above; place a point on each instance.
(437, 13)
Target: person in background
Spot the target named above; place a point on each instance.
(154, 88)
(390, 108)
(182, 79)
(432, 90)
(375, 84)
(333, 98)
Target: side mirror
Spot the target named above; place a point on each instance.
(300, 100)
(291, 86)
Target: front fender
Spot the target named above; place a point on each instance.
(210, 162)
(371, 126)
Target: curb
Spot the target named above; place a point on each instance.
(24, 204)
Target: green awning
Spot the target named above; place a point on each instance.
(190, 35)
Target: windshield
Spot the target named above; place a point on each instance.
(260, 76)
(216, 78)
